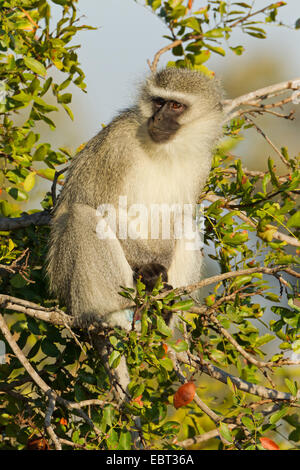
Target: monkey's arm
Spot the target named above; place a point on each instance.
(87, 271)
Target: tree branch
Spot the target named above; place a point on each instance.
(50, 315)
(48, 416)
(15, 223)
(261, 132)
(243, 385)
(259, 95)
(224, 276)
(213, 416)
(202, 438)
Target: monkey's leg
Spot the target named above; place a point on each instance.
(185, 269)
(99, 268)
(186, 265)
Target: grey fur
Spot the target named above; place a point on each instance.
(86, 272)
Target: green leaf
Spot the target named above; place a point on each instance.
(214, 33)
(65, 98)
(108, 415)
(29, 181)
(240, 280)
(47, 173)
(225, 432)
(243, 4)
(182, 305)
(217, 50)
(163, 328)
(292, 386)
(294, 220)
(34, 350)
(114, 359)
(22, 97)
(273, 297)
(41, 152)
(35, 66)
(264, 339)
(166, 363)
(278, 415)
(248, 423)
(178, 345)
(49, 348)
(68, 111)
(238, 50)
(17, 194)
(124, 440)
(60, 2)
(45, 107)
(18, 281)
(33, 326)
(113, 437)
(296, 346)
(192, 23)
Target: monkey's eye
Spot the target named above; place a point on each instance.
(158, 102)
(177, 106)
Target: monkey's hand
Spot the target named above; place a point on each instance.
(149, 275)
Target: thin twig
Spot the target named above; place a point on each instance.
(224, 276)
(261, 132)
(229, 337)
(260, 94)
(153, 65)
(245, 18)
(168, 47)
(55, 181)
(202, 438)
(47, 421)
(50, 315)
(229, 205)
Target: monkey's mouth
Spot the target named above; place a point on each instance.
(162, 133)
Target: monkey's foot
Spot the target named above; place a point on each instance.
(121, 318)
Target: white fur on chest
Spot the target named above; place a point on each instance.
(171, 173)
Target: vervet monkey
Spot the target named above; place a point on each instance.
(156, 152)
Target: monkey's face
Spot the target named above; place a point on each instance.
(163, 124)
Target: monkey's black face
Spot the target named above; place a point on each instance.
(163, 123)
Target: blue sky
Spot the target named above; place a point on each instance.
(114, 58)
